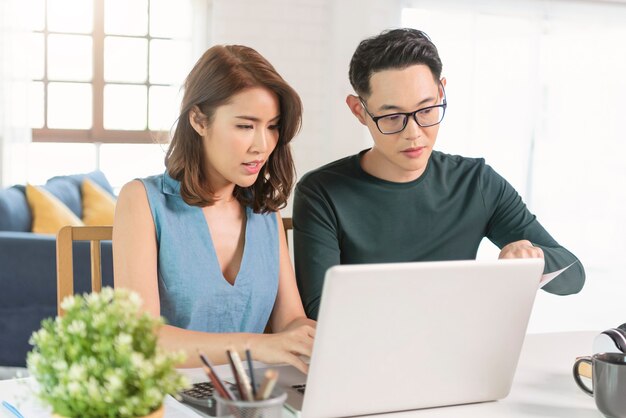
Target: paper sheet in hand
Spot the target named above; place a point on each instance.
(547, 278)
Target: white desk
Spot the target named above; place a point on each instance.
(543, 385)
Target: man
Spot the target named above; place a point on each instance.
(400, 200)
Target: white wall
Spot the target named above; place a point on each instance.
(310, 43)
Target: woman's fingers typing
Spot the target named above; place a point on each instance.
(286, 346)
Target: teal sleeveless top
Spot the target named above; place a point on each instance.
(193, 292)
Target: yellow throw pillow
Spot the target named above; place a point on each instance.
(49, 213)
(98, 205)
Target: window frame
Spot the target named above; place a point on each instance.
(97, 133)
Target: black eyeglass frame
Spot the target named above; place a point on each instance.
(443, 106)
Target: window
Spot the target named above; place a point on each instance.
(108, 70)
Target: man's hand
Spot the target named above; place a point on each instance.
(521, 249)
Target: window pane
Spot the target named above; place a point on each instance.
(164, 105)
(170, 19)
(69, 57)
(35, 104)
(125, 107)
(125, 59)
(123, 17)
(169, 61)
(36, 56)
(36, 15)
(69, 105)
(74, 16)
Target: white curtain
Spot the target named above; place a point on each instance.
(15, 132)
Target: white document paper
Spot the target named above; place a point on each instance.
(547, 278)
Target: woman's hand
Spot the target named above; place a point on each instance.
(303, 320)
(286, 346)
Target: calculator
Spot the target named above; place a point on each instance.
(200, 395)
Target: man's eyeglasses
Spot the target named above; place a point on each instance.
(396, 122)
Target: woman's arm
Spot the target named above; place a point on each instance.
(135, 247)
(288, 320)
(135, 268)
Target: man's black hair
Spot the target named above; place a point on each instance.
(392, 49)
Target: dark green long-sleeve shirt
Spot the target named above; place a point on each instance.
(342, 215)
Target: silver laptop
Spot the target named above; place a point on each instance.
(403, 336)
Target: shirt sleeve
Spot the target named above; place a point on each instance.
(510, 221)
(316, 244)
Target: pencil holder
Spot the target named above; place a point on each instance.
(268, 408)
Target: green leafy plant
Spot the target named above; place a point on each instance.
(101, 359)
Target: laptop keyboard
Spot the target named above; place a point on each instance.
(198, 394)
(299, 388)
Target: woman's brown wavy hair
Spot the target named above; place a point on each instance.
(222, 72)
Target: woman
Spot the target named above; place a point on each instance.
(203, 243)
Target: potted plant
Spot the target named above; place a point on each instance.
(101, 359)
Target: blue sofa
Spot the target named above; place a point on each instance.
(28, 264)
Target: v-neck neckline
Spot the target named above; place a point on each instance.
(213, 251)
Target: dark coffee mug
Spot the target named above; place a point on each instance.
(609, 382)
